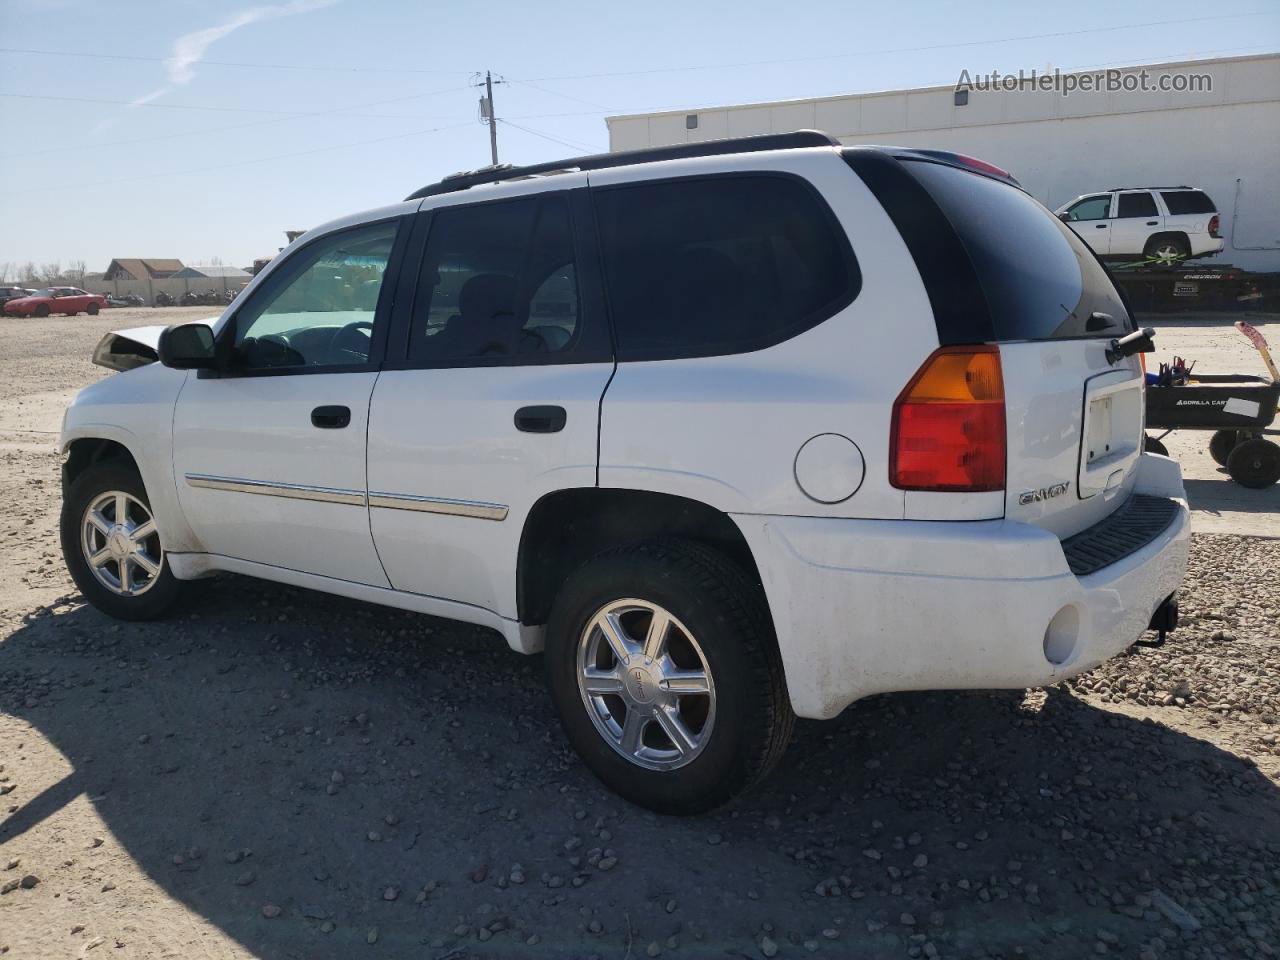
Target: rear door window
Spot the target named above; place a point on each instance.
(1136, 205)
(1182, 202)
(498, 286)
(708, 266)
(1040, 280)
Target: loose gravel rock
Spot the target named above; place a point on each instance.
(348, 752)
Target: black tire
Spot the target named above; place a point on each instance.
(1221, 444)
(42, 310)
(1152, 445)
(728, 616)
(92, 310)
(158, 598)
(1255, 463)
(1167, 246)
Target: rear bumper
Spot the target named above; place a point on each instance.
(870, 606)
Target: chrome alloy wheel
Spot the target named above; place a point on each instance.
(121, 544)
(646, 685)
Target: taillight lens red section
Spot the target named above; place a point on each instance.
(948, 424)
(1213, 226)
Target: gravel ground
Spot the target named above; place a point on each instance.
(282, 774)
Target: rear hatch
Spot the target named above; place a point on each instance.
(1007, 271)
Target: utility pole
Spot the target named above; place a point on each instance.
(493, 117)
(488, 114)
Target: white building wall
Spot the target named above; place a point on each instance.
(1226, 140)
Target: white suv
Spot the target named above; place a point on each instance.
(1163, 224)
(736, 431)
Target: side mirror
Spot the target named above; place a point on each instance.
(1064, 217)
(187, 346)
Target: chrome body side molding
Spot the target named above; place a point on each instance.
(456, 508)
(388, 501)
(293, 491)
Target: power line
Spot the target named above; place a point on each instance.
(278, 156)
(897, 50)
(324, 68)
(203, 131)
(546, 136)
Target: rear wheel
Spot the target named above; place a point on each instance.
(1167, 248)
(1255, 463)
(111, 544)
(663, 667)
(1152, 445)
(1221, 444)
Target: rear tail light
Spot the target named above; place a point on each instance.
(1213, 226)
(948, 428)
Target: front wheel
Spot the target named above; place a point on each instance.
(662, 663)
(92, 310)
(111, 544)
(42, 310)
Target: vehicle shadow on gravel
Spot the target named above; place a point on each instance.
(369, 776)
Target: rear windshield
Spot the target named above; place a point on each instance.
(1040, 280)
(1187, 201)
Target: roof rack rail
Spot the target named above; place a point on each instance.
(601, 161)
(1181, 186)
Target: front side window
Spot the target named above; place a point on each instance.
(498, 285)
(318, 309)
(718, 265)
(1090, 208)
(1136, 205)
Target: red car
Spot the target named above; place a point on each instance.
(68, 300)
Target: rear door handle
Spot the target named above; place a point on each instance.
(540, 419)
(331, 417)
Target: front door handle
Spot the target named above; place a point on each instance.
(1102, 226)
(331, 417)
(1153, 223)
(540, 419)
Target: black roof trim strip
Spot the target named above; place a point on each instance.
(601, 161)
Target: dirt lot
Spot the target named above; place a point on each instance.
(281, 774)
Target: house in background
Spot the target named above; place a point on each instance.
(149, 277)
(133, 268)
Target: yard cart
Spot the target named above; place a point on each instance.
(1238, 408)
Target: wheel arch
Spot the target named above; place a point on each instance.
(1179, 235)
(567, 527)
(88, 444)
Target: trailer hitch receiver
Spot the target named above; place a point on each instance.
(1164, 620)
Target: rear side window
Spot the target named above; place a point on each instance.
(1040, 280)
(1187, 201)
(1136, 205)
(708, 266)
